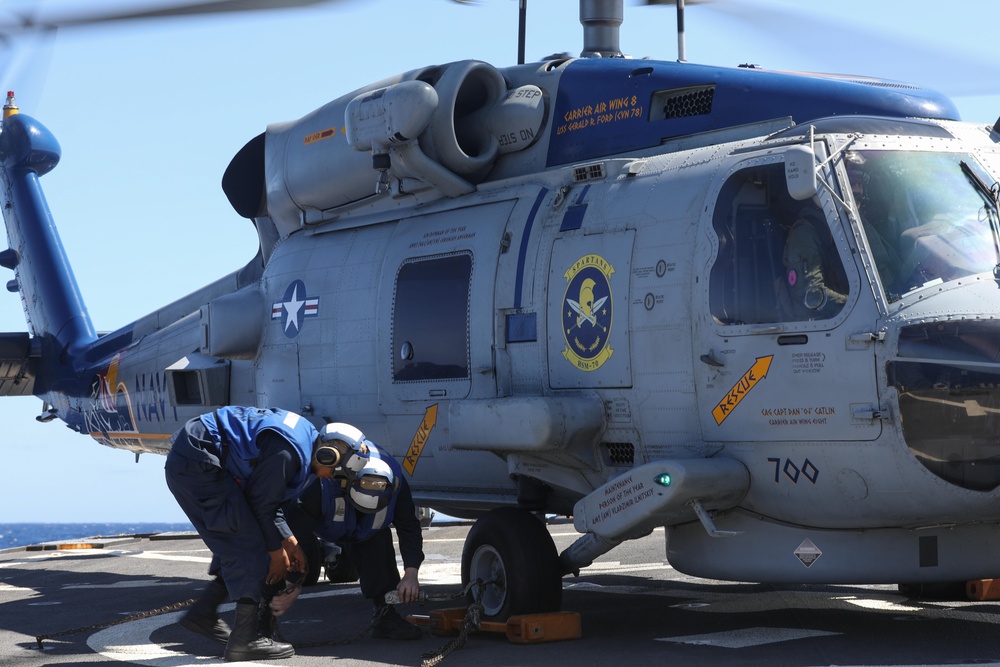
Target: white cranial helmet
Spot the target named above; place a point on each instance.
(348, 460)
(373, 488)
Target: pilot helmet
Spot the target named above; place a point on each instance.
(373, 488)
(344, 448)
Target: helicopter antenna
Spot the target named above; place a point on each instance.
(522, 21)
(681, 43)
(681, 48)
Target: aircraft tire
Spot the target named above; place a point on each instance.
(511, 550)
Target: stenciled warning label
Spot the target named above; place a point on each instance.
(808, 553)
(619, 496)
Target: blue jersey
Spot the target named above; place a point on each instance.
(240, 427)
(342, 522)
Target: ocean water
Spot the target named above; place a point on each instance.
(25, 534)
(13, 535)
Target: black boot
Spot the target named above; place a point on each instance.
(267, 622)
(244, 642)
(203, 616)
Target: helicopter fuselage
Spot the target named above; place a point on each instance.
(601, 311)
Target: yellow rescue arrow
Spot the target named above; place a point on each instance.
(420, 438)
(749, 380)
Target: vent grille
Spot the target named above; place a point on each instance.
(588, 172)
(885, 84)
(619, 453)
(683, 102)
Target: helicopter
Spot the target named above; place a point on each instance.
(556, 288)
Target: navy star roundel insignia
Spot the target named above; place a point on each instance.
(294, 307)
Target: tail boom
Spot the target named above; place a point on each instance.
(52, 301)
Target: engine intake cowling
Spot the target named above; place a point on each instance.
(444, 127)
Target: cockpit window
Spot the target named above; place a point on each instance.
(777, 261)
(925, 219)
(949, 399)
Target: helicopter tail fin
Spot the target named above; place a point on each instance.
(52, 302)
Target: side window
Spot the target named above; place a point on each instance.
(777, 261)
(430, 318)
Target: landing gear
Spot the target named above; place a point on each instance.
(512, 554)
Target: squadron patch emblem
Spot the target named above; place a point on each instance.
(587, 312)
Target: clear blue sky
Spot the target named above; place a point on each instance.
(150, 113)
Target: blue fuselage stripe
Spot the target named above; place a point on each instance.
(523, 251)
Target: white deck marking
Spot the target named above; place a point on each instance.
(167, 555)
(747, 637)
(878, 605)
(16, 591)
(614, 567)
(132, 583)
(132, 643)
(441, 574)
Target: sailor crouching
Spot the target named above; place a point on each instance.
(357, 515)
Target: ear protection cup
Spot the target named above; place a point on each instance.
(328, 456)
(350, 445)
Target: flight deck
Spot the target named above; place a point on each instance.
(115, 601)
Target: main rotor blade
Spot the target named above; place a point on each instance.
(27, 24)
(823, 43)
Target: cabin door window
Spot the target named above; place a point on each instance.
(430, 321)
(778, 359)
(777, 260)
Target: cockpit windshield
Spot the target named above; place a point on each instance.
(926, 219)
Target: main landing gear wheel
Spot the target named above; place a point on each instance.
(510, 551)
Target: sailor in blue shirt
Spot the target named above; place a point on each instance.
(357, 515)
(230, 471)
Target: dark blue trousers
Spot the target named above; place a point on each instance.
(216, 506)
(375, 560)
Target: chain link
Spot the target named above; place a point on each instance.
(470, 624)
(377, 617)
(100, 626)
